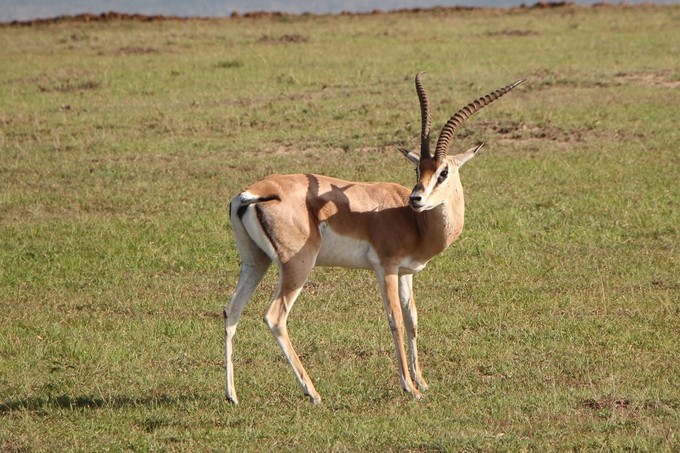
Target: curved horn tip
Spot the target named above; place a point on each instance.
(517, 83)
(419, 76)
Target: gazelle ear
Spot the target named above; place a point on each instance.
(410, 155)
(463, 157)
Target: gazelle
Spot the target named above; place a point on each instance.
(306, 220)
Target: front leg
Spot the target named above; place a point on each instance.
(408, 307)
(388, 279)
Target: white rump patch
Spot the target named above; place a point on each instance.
(254, 228)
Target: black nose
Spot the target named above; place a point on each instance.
(415, 199)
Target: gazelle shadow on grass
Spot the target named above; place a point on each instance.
(36, 404)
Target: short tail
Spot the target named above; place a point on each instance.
(240, 203)
(251, 239)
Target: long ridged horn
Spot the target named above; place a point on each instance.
(425, 117)
(451, 126)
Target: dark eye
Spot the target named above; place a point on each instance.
(442, 176)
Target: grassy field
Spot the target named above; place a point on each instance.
(552, 324)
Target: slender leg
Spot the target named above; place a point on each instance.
(254, 264)
(250, 277)
(292, 279)
(389, 288)
(408, 307)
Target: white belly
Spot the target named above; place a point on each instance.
(411, 266)
(343, 251)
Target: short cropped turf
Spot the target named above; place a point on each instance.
(552, 324)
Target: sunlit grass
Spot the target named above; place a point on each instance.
(551, 324)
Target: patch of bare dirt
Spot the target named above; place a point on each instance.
(523, 132)
(518, 131)
(73, 86)
(653, 79)
(611, 403)
(136, 50)
(548, 78)
(66, 81)
(283, 39)
(511, 32)
(375, 149)
(291, 150)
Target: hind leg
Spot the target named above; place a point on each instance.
(292, 279)
(254, 264)
(250, 277)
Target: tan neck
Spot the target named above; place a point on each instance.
(440, 226)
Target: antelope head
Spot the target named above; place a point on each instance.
(437, 172)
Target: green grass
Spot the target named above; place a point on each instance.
(552, 324)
